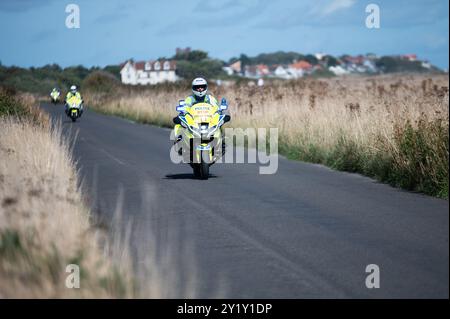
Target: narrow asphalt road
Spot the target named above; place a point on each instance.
(304, 232)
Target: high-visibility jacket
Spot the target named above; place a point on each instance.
(70, 94)
(208, 98)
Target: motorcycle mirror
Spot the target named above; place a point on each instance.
(223, 104)
(226, 118)
(176, 120)
(181, 107)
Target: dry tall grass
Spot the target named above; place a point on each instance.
(44, 225)
(394, 128)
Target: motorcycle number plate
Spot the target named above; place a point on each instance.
(205, 119)
(203, 147)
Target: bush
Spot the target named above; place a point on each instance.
(393, 64)
(205, 68)
(9, 105)
(100, 81)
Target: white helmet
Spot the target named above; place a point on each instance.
(73, 88)
(199, 87)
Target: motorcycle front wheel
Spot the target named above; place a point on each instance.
(204, 165)
(196, 169)
(201, 170)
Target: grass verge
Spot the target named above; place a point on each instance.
(44, 224)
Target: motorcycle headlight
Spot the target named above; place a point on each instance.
(195, 131)
(204, 129)
(211, 130)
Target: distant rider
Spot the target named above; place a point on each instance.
(54, 95)
(55, 91)
(73, 92)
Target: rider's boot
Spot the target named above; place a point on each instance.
(180, 150)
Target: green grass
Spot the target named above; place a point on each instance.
(417, 162)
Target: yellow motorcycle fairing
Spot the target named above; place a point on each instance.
(201, 121)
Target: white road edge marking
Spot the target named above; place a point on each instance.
(113, 157)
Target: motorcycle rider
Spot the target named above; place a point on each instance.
(54, 95)
(54, 91)
(199, 95)
(73, 92)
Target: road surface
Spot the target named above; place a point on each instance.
(304, 232)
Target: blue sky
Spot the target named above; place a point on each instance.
(33, 32)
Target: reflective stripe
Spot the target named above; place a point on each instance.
(191, 100)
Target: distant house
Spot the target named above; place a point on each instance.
(236, 67)
(256, 71)
(282, 72)
(250, 71)
(228, 70)
(426, 64)
(371, 56)
(148, 72)
(233, 68)
(300, 68)
(262, 70)
(338, 70)
(354, 60)
(319, 56)
(409, 57)
(370, 66)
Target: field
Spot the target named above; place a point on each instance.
(393, 128)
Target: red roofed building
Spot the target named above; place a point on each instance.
(356, 60)
(409, 57)
(299, 69)
(262, 70)
(256, 71)
(302, 65)
(148, 72)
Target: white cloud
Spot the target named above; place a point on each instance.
(336, 5)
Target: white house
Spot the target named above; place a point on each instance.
(281, 72)
(319, 56)
(338, 70)
(228, 70)
(426, 64)
(148, 72)
(294, 73)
